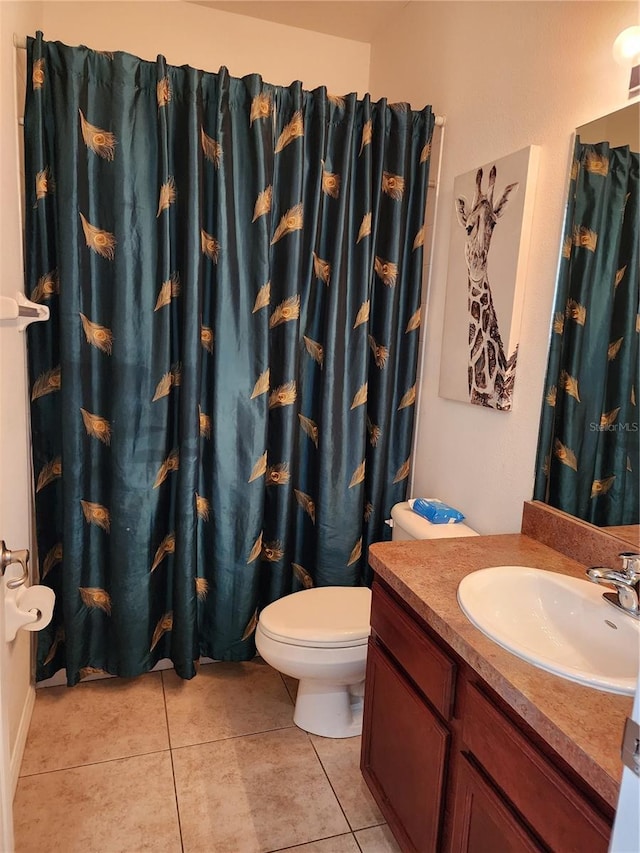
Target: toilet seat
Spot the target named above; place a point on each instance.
(323, 617)
(314, 643)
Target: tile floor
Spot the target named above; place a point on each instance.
(211, 765)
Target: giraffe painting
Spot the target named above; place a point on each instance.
(491, 219)
(491, 373)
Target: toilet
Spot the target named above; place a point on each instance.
(320, 637)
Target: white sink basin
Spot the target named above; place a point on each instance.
(557, 623)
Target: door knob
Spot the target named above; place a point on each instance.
(7, 558)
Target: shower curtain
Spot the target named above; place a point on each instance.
(223, 398)
(588, 449)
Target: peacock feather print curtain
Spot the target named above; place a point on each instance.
(223, 398)
(588, 451)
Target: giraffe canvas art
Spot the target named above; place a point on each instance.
(491, 375)
(485, 283)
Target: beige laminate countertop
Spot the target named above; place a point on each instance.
(581, 724)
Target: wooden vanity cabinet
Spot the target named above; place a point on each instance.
(450, 766)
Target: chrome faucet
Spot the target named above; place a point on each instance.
(626, 583)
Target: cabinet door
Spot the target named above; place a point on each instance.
(549, 802)
(404, 754)
(482, 823)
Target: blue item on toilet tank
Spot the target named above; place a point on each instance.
(436, 511)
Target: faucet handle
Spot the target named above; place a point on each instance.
(630, 563)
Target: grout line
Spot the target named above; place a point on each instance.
(233, 737)
(364, 829)
(286, 687)
(324, 770)
(92, 763)
(314, 841)
(164, 701)
(173, 770)
(352, 829)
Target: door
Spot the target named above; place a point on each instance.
(626, 826)
(16, 688)
(17, 692)
(6, 792)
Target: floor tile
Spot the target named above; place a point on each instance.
(254, 794)
(341, 761)
(337, 844)
(122, 806)
(98, 721)
(377, 839)
(225, 700)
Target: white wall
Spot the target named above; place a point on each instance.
(506, 75)
(15, 494)
(207, 38)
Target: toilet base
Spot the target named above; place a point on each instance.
(329, 710)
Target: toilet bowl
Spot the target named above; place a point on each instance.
(320, 636)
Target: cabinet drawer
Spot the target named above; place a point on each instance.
(558, 813)
(432, 671)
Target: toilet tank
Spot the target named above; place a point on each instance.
(407, 524)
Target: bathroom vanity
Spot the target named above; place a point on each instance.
(465, 746)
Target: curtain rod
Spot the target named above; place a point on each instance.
(21, 43)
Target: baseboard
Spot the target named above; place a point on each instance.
(21, 738)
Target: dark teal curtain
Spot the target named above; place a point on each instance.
(223, 398)
(588, 446)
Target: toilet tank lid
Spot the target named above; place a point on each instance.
(421, 528)
(324, 614)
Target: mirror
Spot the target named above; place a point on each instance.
(629, 533)
(574, 382)
(619, 128)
